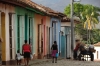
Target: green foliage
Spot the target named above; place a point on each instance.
(78, 8)
(95, 35)
(88, 15)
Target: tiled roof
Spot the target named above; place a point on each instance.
(67, 19)
(47, 10)
(97, 44)
(29, 3)
(32, 4)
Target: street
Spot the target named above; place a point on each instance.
(65, 62)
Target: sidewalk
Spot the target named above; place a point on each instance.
(39, 61)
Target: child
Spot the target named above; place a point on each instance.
(18, 57)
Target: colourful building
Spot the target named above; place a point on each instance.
(25, 20)
(7, 31)
(66, 47)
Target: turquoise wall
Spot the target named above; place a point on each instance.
(63, 46)
(25, 16)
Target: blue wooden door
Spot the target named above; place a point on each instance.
(63, 46)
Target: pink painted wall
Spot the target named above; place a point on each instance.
(46, 22)
(47, 35)
(37, 20)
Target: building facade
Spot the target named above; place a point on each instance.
(66, 47)
(25, 20)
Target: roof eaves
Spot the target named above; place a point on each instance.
(66, 19)
(24, 4)
(34, 5)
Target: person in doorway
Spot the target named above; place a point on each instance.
(54, 50)
(18, 57)
(26, 50)
(76, 49)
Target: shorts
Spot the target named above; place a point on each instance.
(26, 54)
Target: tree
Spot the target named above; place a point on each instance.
(88, 15)
(91, 16)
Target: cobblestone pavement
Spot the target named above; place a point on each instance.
(65, 62)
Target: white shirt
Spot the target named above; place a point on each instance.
(91, 46)
(18, 56)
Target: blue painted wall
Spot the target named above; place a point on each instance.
(54, 36)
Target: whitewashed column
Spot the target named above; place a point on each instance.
(13, 37)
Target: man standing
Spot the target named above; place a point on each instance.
(76, 49)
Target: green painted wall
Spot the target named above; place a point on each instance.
(23, 28)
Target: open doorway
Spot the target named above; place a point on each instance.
(40, 41)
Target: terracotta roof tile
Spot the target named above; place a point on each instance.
(40, 7)
(97, 44)
(29, 3)
(32, 4)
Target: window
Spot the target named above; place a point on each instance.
(11, 36)
(20, 32)
(54, 29)
(97, 54)
(30, 28)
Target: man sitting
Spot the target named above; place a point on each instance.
(89, 52)
(83, 50)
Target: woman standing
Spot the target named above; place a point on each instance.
(54, 49)
(26, 50)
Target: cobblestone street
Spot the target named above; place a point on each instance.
(65, 62)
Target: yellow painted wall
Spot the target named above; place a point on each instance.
(5, 9)
(3, 37)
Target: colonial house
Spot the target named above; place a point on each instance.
(25, 20)
(47, 31)
(97, 53)
(66, 48)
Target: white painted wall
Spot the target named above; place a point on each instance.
(69, 51)
(95, 54)
(66, 24)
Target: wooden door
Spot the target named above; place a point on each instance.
(0, 38)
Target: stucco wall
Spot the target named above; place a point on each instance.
(6, 9)
(37, 20)
(58, 28)
(97, 53)
(47, 35)
(66, 24)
